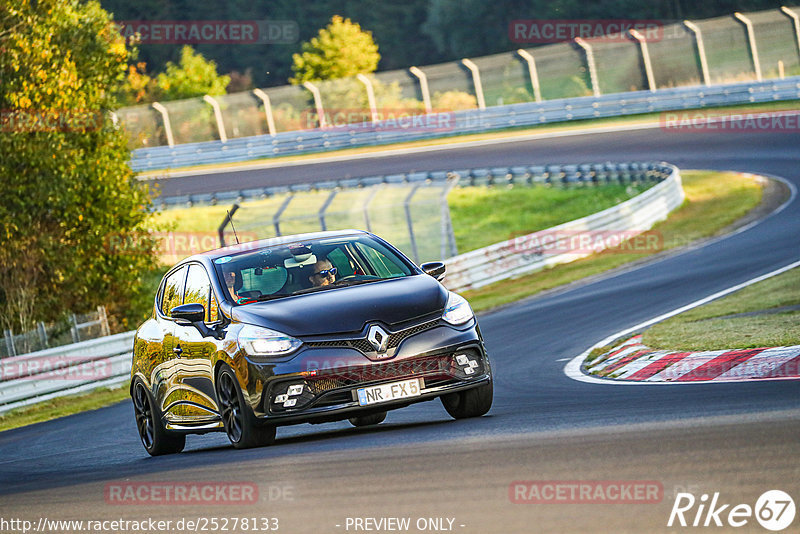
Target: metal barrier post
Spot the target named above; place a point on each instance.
(103, 318)
(373, 109)
(218, 116)
(165, 118)
(267, 110)
(751, 39)
(76, 336)
(476, 81)
(423, 87)
(276, 219)
(317, 103)
(42, 334)
(648, 66)
(701, 49)
(796, 22)
(365, 209)
(590, 63)
(323, 209)
(534, 75)
(407, 206)
(9, 335)
(448, 238)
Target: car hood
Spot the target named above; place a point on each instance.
(348, 309)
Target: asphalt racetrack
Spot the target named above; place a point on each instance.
(737, 440)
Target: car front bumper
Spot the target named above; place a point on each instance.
(320, 383)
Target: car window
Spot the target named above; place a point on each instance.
(173, 291)
(198, 288)
(383, 266)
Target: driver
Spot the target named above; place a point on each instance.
(324, 273)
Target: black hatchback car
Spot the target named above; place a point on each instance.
(301, 329)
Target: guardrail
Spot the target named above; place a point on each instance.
(65, 370)
(466, 122)
(593, 233)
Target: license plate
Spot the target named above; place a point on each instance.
(389, 392)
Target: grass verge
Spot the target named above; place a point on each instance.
(62, 406)
(719, 325)
(713, 201)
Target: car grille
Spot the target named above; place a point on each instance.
(344, 377)
(364, 346)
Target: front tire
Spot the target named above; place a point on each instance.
(473, 402)
(156, 439)
(241, 425)
(367, 420)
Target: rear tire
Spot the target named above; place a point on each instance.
(367, 420)
(241, 425)
(473, 402)
(156, 439)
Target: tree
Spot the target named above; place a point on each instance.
(341, 49)
(192, 76)
(69, 197)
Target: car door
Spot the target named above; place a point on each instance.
(195, 373)
(164, 372)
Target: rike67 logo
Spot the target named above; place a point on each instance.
(774, 510)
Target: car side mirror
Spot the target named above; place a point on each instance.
(435, 269)
(187, 314)
(194, 314)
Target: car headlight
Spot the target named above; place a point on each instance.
(259, 341)
(457, 310)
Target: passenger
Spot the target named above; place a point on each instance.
(230, 282)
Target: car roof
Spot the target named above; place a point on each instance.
(272, 241)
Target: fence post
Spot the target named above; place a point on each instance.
(373, 108)
(276, 219)
(218, 116)
(796, 22)
(267, 109)
(323, 209)
(590, 63)
(407, 206)
(42, 334)
(648, 66)
(476, 81)
(751, 39)
(534, 75)
(448, 239)
(165, 118)
(9, 335)
(365, 209)
(423, 87)
(701, 49)
(317, 103)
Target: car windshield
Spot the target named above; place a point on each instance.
(280, 271)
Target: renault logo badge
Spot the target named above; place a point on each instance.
(378, 338)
